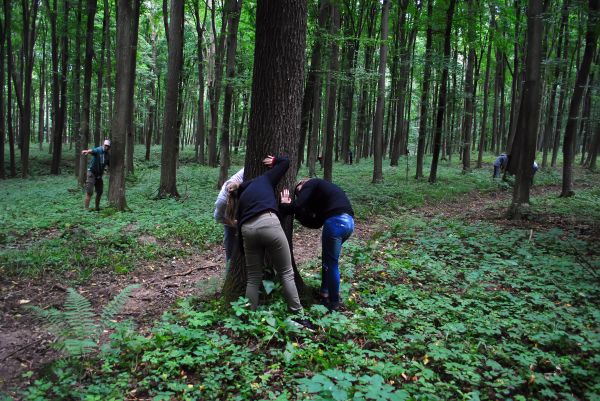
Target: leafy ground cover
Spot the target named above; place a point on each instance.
(437, 307)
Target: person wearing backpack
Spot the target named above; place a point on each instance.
(95, 170)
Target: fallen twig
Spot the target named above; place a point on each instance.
(185, 273)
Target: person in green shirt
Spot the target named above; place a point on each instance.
(95, 170)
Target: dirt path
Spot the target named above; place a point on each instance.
(24, 345)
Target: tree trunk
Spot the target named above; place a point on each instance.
(486, 91)
(332, 95)
(87, 86)
(314, 75)
(591, 38)
(200, 125)
(11, 137)
(234, 8)
(3, 34)
(170, 150)
(425, 93)
(523, 150)
(104, 49)
(130, 141)
(76, 118)
(124, 54)
(442, 96)
(275, 112)
(214, 90)
(378, 121)
(469, 90)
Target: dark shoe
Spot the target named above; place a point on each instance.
(305, 323)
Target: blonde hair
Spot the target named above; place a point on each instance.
(232, 204)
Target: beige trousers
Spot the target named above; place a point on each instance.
(263, 235)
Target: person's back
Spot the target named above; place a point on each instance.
(323, 198)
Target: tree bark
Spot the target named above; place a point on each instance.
(591, 38)
(130, 142)
(76, 116)
(330, 117)
(124, 54)
(234, 9)
(275, 112)
(442, 95)
(425, 93)
(523, 150)
(469, 90)
(3, 34)
(170, 146)
(201, 124)
(87, 86)
(378, 121)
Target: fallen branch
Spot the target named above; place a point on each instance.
(187, 272)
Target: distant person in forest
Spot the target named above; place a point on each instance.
(319, 203)
(95, 170)
(253, 208)
(219, 214)
(500, 164)
(320, 159)
(349, 157)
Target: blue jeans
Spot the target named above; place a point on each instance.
(229, 239)
(336, 230)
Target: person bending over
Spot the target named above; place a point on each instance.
(253, 208)
(219, 214)
(320, 203)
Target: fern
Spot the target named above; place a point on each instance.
(77, 327)
(116, 305)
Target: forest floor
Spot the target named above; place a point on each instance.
(25, 344)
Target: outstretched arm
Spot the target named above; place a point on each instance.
(279, 166)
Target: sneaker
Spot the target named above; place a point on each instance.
(303, 323)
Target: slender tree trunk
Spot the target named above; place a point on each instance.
(378, 121)
(442, 96)
(170, 150)
(130, 142)
(214, 91)
(234, 10)
(3, 34)
(76, 117)
(425, 93)
(469, 90)
(201, 125)
(486, 87)
(124, 54)
(332, 95)
(87, 86)
(105, 47)
(591, 38)
(523, 150)
(516, 81)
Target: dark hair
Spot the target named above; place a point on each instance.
(232, 204)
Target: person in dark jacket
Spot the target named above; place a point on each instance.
(253, 207)
(95, 170)
(320, 203)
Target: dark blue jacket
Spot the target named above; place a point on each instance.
(317, 201)
(258, 195)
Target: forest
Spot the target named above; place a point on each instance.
(466, 273)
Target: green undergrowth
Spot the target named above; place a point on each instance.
(44, 229)
(434, 310)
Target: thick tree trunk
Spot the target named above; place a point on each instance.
(275, 112)
(523, 150)
(442, 96)
(591, 38)
(378, 121)
(87, 85)
(11, 137)
(170, 149)
(234, 9)
(124, 54)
